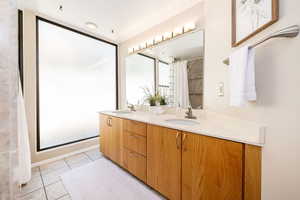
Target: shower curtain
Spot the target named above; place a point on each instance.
(24, 175)
(181, 84)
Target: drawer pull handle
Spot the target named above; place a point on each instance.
(183, 139)
(109, 121)
(134, 122)
(132, 153)
(135, 136)
(177, 143)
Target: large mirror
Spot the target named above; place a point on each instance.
(172, 69)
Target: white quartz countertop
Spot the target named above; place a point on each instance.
(210, 124)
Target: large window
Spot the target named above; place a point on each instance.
(76, 78)
(140, 75)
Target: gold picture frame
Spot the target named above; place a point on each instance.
(272, 9)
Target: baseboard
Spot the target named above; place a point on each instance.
(63, 156)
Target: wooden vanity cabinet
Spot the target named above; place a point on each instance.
(182, 165)
(212, 169)
(111, 137)
(164, 161)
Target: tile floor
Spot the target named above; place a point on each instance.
(46, 183)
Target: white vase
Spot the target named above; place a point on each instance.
(157, 109)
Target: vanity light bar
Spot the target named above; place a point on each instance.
(150, 43)
(189, 27)
(158, 39)
(130, 50)
(178, 31)
(143, 45)
(166, 36)
(136, 48)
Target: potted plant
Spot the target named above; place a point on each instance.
(156, 101)
(162, 100)
(151, 98)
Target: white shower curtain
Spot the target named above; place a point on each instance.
(24, 175)
(181, 84)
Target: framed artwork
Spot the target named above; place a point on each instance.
(249, 17)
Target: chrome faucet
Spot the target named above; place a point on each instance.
(189, 113)
(131, 107)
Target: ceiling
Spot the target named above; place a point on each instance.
(187, 46)
(126, 17)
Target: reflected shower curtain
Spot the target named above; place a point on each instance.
(181, 84)
(8, 100)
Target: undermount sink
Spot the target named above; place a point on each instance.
(121, 111)
(182, 122)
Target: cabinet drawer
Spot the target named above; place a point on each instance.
(135, 164)
(135, 127)
(135, 142)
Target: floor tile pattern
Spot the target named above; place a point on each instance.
(46, 183)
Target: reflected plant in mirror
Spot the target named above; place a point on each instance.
(176, 73)
(150, 97)
(162, 100)
(154, 99)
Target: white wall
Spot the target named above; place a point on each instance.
(277, 73)
(278, 106)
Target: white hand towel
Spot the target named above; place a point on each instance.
(250, 89)
(242, 76)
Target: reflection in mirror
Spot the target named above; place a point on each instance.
(179, 71)
(164, 77)
(140, 74)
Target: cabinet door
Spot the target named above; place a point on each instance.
(105, 132)
(115, 140)
(211, 168)
(164, 161)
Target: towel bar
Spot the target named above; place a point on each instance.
(289, 32)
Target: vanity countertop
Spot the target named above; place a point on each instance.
(210, 124)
